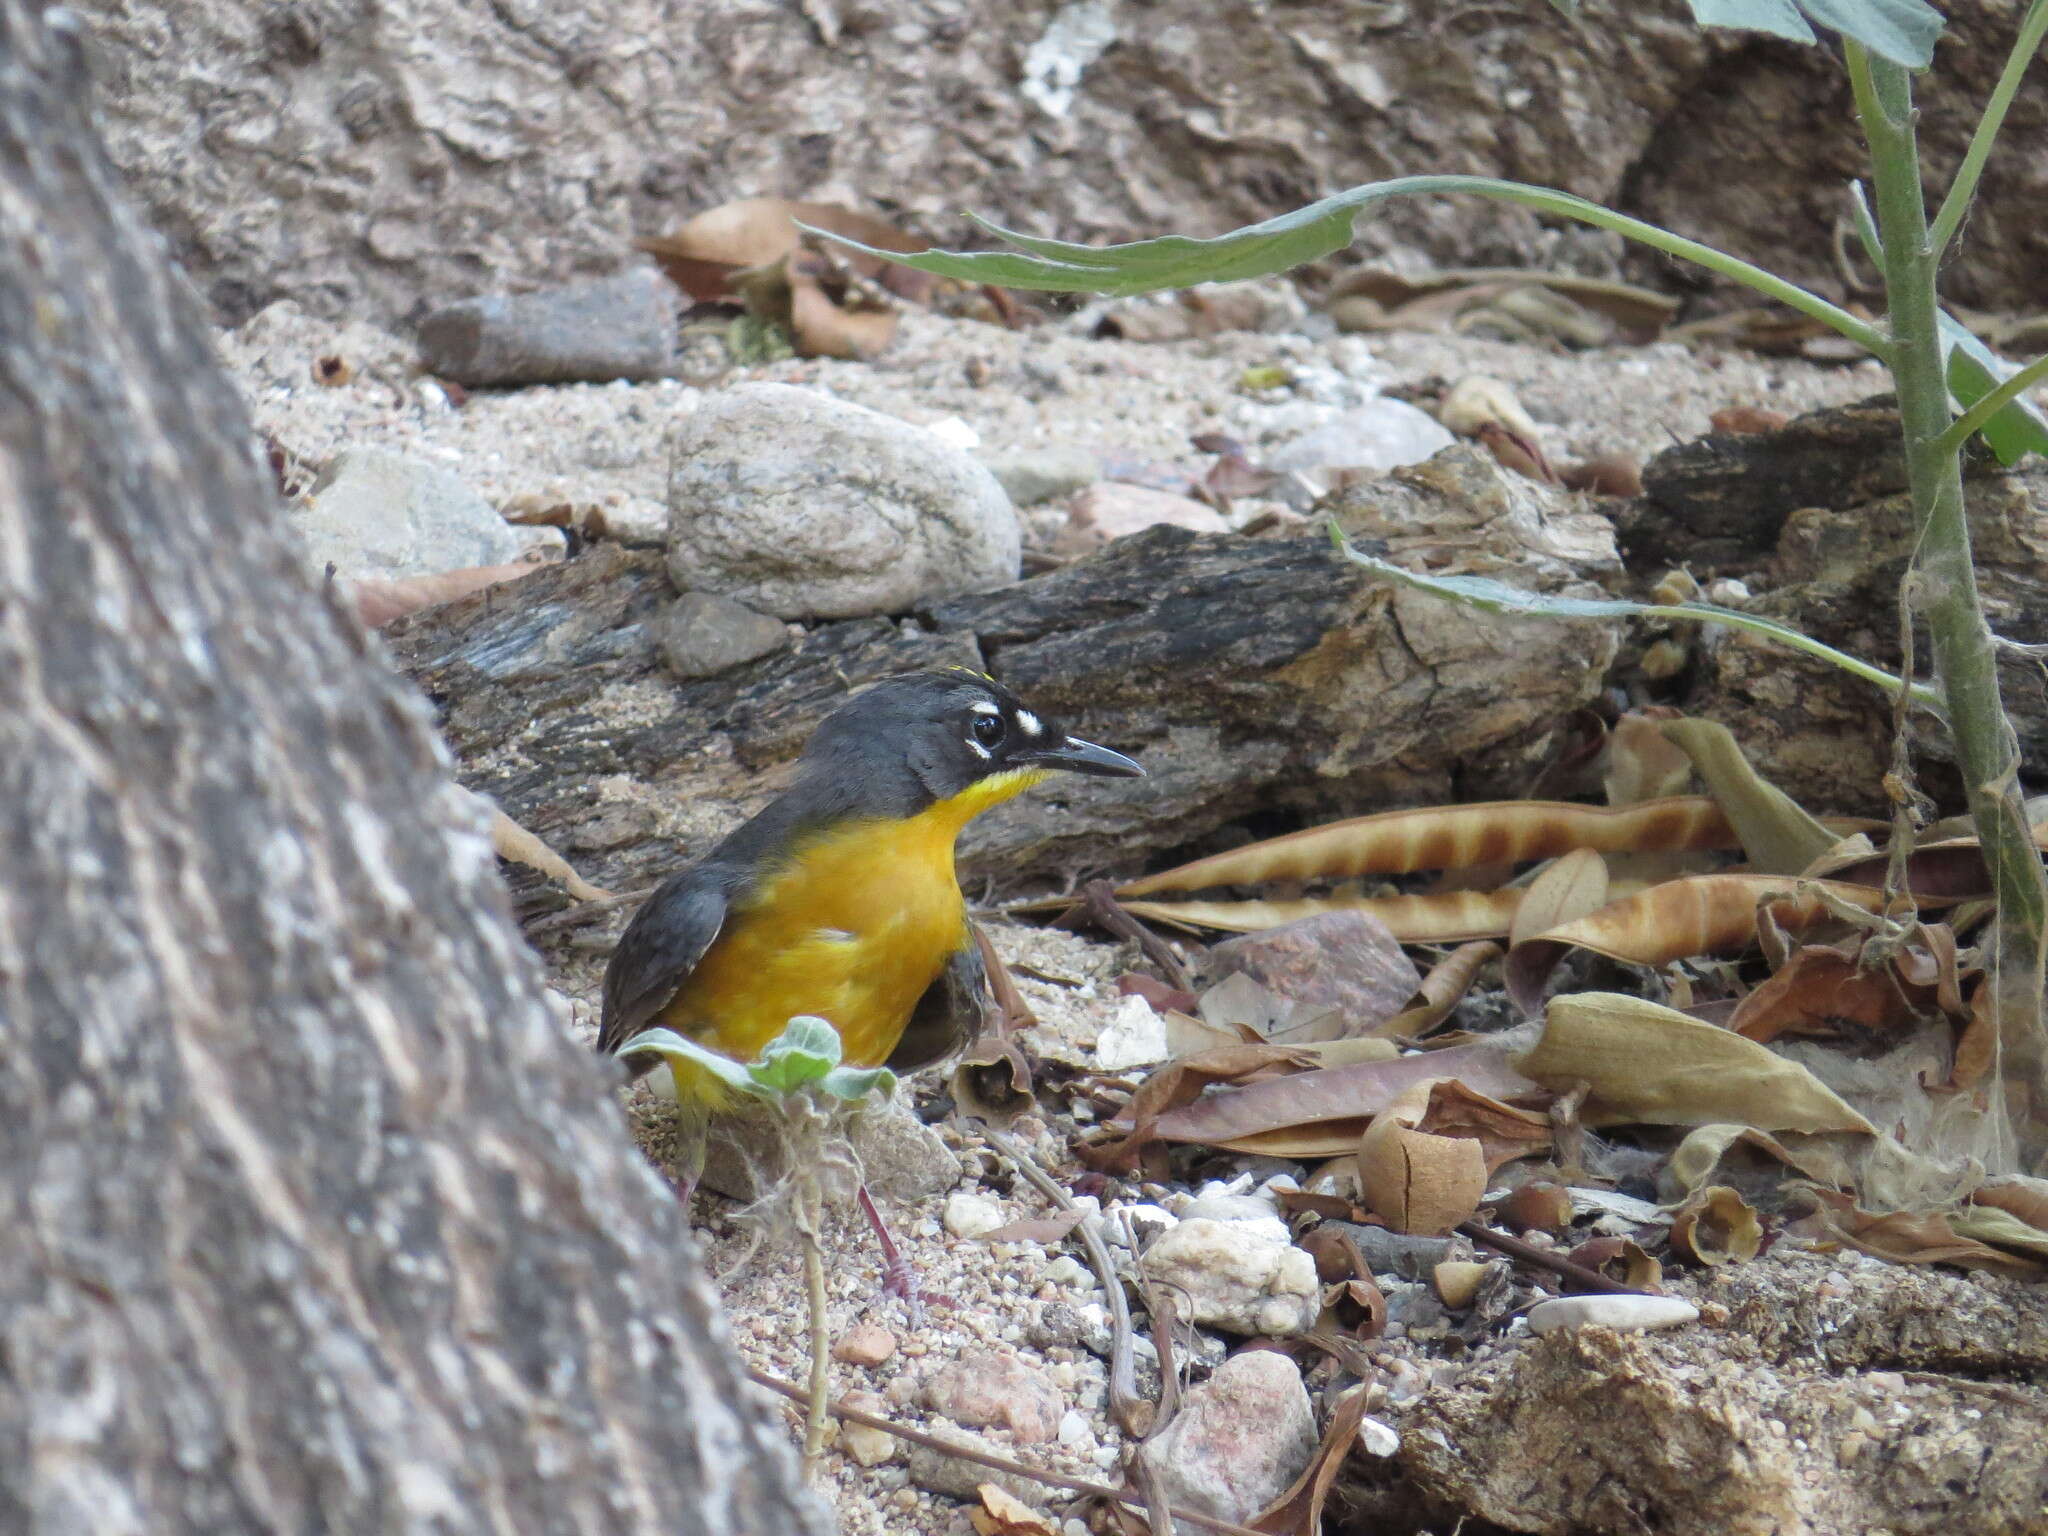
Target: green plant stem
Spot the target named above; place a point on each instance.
(1971, 422)
(1965, 655)
(1957, 204)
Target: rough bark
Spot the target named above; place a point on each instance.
(1252, 677)
(315, 1219)
(1814, 518)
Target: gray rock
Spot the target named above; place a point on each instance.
(621, 327)
(1236, 1277)
(1377, 436)
(1240, 1438)
(1346, 961)
(808, 507)
(903, 1158)
(959, 1478)
(375, 513)
(1399, 1253)
(702, 634)
(1032, 475)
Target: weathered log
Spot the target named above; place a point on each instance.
(1253, 677)
(315, 1219)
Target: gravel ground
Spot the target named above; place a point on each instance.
(1014, 391)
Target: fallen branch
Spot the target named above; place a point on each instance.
(1543, 1258)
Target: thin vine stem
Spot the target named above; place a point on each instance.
(1957, 204)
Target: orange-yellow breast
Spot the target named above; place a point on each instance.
(853, 926)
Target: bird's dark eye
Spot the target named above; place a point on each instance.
(988, 729)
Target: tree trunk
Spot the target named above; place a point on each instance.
(314, 1219)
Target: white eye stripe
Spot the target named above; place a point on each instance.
(977, 748)
(1029, 723)
(984, 707)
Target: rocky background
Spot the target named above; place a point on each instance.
(368, 158)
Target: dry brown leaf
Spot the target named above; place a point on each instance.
(1504, 1133)
(1299, 1511)
(381, 600)
(1412, 1180)
(1620, 1259)
(1643, 764)
(1777, 834)
(706, 251)
(1441, 991)
(2018, 1196)
(511, 841)
(1716, 1226)
(1908, 1237)
(1651, 1065)
(1183, 1082)
(1452, 837)
(1568, 889)
(1822, 991)
(1322, 1114)
(1977, 1044)
(1693, 1160)
(1697, 915)
(1036, 1229)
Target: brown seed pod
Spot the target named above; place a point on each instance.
(1538, 1206)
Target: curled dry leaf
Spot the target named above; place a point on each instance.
(702, 255)
(1698, 915)
(1777, 834)
(1454, 837)
(1180, 1083)
(1503, 1132)
(1620, 1259)
(1820, 990)
(1414, 1181)
(1716, 1226)
(1356, 1307)
(1374, 299)
(1643, 764)
(1907, 1237)
(1649, 1065)
(1441, 991)
(1821, 1158)
(1568, 889)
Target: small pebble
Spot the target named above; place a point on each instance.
(969, 1215)
(864, 1344)
(1628, 1313)
(1067, 1270)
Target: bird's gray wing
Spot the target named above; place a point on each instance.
(954, 1009)
(659, 949)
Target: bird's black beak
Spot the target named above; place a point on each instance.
(1078, 756)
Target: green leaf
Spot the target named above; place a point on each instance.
(1974, 370)
(1490, 596)
(674, 1048)
(1903, 31)
(1780, 18)
(1305, 235)
(852, 1083)
(806, 1050)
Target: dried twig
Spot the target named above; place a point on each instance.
(1119, 1496)
(1543, 1258)
(1133, 1415)
(1098, 903)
